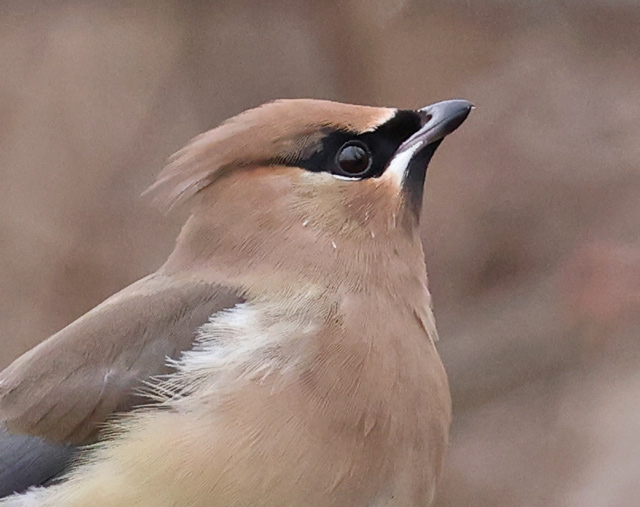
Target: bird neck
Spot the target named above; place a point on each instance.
(274, 257)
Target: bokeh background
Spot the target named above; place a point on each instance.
(532, 213)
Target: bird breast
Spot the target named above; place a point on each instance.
(328, 395)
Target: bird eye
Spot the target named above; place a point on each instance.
(353, 159)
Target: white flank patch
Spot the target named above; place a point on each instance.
(32, 498)
(397, 168)
(246, 338)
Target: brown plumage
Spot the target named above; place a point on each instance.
(316, 380)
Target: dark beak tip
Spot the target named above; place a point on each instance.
(442, 118)
(449, 108)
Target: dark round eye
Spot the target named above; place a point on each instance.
(353, 159)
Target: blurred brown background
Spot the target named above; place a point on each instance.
(532, 220)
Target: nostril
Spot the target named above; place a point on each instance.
(426, 118)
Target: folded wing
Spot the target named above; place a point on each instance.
(63, 390)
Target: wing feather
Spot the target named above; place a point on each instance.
(65, 388)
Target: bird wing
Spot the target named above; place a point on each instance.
(65, 388)
(27, 461)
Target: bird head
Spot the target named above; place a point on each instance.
(305, 185)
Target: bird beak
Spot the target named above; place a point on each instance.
(438, 120)
(413, 155)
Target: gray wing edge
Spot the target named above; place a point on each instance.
(27, 461)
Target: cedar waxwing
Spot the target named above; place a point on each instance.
(287, 344)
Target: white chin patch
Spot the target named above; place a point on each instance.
(397, 168)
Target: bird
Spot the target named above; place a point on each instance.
(284, 354)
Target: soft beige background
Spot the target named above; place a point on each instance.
(532, 220)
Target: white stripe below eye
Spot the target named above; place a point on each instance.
(345, 178)
(397, 168)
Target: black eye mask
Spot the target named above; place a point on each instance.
(379, 145)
